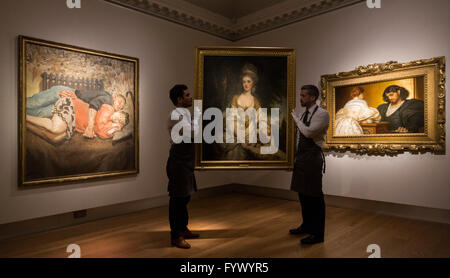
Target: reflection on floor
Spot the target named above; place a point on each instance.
(239, 225)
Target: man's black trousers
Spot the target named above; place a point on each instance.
(178, 215)
(313, 213)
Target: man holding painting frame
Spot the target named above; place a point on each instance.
(313, 125)
(180, 169)
(308, 165)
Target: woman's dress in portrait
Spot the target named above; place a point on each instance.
(348, 118)
(238, 151)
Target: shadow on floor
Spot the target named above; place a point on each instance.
(161, 239)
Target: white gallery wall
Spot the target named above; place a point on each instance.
(401, 30)
(166, 55)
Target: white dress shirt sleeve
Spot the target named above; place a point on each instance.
(319, 122)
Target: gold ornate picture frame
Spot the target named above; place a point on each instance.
(61, 89)
(220, 73)
(387, 108)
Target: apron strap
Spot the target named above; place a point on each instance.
(324, 165)
(310, 118)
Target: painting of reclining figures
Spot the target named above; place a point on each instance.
(78, 113)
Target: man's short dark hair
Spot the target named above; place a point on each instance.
(312, 90)
(176, 92)
(394, 89)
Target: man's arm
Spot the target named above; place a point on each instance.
(95, 99)
(382, 108)
(102, 122)
(320, 122)
(414, 115)
(89, 132)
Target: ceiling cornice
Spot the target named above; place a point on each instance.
(200, 19)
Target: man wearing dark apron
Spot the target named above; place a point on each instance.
(309, 165)
(180, 171)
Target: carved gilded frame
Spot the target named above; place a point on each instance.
(289, 94)
(58, 79)
(433, 137)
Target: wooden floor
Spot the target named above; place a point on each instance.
(239, 225)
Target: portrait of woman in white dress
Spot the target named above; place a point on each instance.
(355, 112)
(245, 100)
(246, 86)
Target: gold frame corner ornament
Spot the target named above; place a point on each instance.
(433, 138)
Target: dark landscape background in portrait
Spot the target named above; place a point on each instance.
(222, 81)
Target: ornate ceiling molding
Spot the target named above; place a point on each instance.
(279, 15)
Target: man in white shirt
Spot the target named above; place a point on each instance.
(180, 169)
(309, 162)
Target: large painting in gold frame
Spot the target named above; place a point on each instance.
(219, 82)
(387, 108)
(63, 87)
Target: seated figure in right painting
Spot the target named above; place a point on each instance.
(404, 115)
(353, 113)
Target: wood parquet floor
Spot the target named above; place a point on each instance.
(238, 225)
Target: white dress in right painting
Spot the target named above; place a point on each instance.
(354, 112)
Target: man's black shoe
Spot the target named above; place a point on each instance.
(312, 239)
(297, 231)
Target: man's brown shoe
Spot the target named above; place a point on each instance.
(180, 243)
(189, 234)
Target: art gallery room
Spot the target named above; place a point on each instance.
(96, 162)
